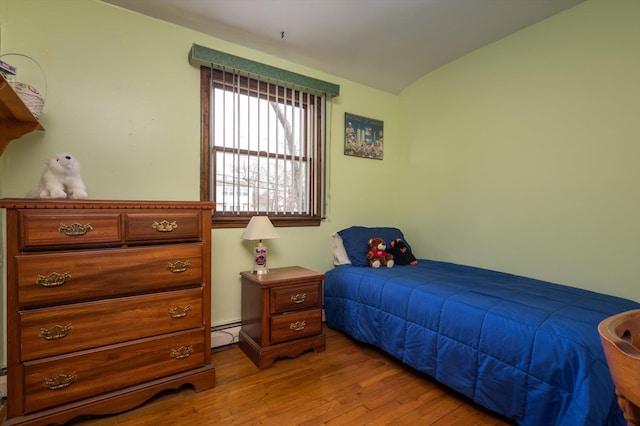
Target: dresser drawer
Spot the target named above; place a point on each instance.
(293, 298)
(44, 229)
(293, 326)
(54, 331)
(162, 225)
(47, 279)
(56, 381)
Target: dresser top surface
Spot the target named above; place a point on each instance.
(46, 203)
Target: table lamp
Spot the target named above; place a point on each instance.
(260, 228)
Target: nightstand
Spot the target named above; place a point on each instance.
(281, 314)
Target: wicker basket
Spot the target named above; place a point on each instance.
(29, 94)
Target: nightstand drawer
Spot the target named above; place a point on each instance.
(54, 331)
(294, 298)
(162, 225)
(293, 326)
(44, 229)
(56, 381)
(52, 278)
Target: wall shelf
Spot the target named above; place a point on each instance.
(15, 118)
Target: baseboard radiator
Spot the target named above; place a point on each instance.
(225, 334)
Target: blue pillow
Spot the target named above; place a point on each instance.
(355, 241)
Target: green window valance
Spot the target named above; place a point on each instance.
(204, 56)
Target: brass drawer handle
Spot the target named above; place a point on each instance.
(299, 298)
(60, 382)
(164, 226)
(75, 229)
(182, 352)
(298, 325)
(178, 266)
(179, 311)
(54, 279)
(56, 332)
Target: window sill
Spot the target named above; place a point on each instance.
(219, 222)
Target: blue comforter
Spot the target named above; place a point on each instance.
(524, 348)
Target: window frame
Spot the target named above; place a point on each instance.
(240, 219)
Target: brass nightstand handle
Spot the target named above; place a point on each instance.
(298, 325)
(54, 279)
(56, 332)
(164, 226)
(75, 229)
(178, 266)
(61, 381)
(182, 352)
(179, 311)
(299, 298)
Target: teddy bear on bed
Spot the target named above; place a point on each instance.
(401, 253)
(60, 179)
(377, 255)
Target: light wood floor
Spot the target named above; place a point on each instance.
(348, 384)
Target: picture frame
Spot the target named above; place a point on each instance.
(363, 137)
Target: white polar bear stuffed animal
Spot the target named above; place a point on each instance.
(60, 179)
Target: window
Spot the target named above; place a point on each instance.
(262, 149)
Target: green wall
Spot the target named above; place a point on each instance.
(523, 156)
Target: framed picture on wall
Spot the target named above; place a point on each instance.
(363, 137)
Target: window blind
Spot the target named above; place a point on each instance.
(266, 147)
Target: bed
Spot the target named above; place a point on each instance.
(524, 348)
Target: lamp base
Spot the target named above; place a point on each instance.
(260, 259)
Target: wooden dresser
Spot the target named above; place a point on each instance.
(281, 314)
(108, 302)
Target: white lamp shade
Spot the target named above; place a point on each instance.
(260, 228)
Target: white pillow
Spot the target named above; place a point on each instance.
(340, 256)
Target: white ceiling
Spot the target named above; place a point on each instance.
(385, 44)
